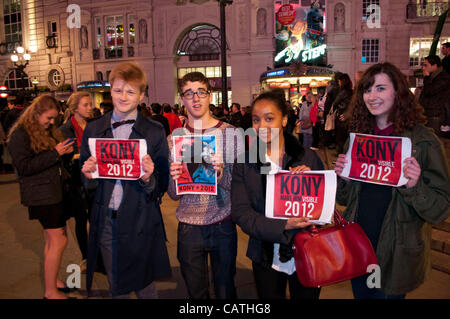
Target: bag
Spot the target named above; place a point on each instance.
(306, 124)
(329, 122)
(333, 254)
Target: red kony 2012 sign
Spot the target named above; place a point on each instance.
(377, 159)
(118, 158)
(309, 194)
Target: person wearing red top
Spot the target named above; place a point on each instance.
(174, 120)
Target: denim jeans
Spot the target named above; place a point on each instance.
(362, 291)
(307, 140)
(195, 243)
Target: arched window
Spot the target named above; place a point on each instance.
(17, 80)
(201, 43)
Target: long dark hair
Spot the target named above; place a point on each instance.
(406, 111)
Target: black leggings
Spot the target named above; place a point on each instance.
(271, 284)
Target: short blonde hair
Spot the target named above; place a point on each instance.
(74, 100)
(129, 72)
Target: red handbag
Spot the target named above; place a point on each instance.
(329, 255)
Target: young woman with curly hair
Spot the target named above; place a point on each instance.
(36, 147)
(396, 219)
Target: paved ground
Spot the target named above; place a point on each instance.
(21, 257)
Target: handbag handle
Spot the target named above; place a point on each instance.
(339, 219)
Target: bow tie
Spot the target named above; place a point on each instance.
(117, 124)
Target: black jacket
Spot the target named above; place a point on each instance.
(141, 250)
(40, 174)
(248, 192)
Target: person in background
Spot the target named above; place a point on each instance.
(435, 94)
(341, 104)
(446, 59)
(236, 116)
(395, 219)
(156, 116)
(15, 110)
(314, 116)
(80, 107)
(270, 243)
(305, 121)
(37, 148)
(174, 120)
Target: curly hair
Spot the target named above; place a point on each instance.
(406, 111)
(40, 138)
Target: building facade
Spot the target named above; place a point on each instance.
(167, 39)
(77, 41)
(402, 34)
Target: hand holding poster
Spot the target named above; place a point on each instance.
(118, 158)
(310, 194)
(198, 175)
(377, 159)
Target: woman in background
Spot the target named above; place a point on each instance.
(80, 106)
(36, 148)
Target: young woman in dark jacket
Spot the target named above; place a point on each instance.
(248, 192)
(36, 147)
(80, 106)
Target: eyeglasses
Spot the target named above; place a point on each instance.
(201, 93)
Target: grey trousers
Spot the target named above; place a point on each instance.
(108, 248)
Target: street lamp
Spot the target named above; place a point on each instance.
(20, 58)
(223, 51)
(35, 83)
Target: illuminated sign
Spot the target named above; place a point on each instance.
(293, 52)
(277, 73)
(301, 32)
(314, 53)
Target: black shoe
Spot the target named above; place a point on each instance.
(67, 289)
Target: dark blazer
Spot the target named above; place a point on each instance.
(40, 174)
(248, 200)
(141, 249)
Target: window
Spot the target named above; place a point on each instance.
(365, 5)
(131, 29)
(17, 80)
(370, 50)
(12, 20)
(54, 78)
(419, 48)
(209, 71)
(114, 37)
(52, 33)
(201, 43)
(98, 33)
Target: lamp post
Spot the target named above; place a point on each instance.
(223, 51)
(20, 58)
(35, 82)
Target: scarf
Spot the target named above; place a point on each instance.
(78, 131)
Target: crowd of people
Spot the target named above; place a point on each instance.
(126, 237)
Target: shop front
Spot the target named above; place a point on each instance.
(297, 81)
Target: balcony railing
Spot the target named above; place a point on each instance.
(425, 10)
(9, 47)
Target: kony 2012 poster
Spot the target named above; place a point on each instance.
(118, 158)
(198, 175)
(377, 159)
(309, 194)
